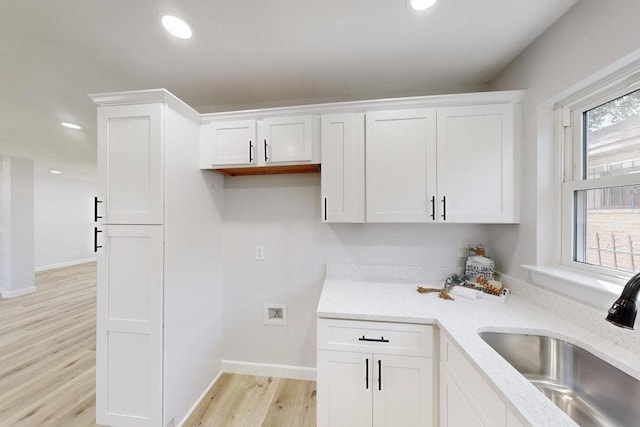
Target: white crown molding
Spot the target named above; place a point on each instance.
(164, 96)
(499, 97)
(148, 96)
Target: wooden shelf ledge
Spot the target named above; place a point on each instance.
(269, 170)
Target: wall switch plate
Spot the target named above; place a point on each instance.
(275, 314)
(259, 253)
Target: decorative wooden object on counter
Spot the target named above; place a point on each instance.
(488, 287)
(442, 293)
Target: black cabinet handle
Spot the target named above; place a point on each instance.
(381, 339)
(96, 217)
(379, 375)
(325, 208)
(444, 208)
(266, 158)
(366, 373)
(433, 208)
(95, 239)
(250, 152)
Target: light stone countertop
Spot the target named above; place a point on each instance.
(356, 298)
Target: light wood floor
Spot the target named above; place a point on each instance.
(47, 366)
(248, 401)
(47, 351)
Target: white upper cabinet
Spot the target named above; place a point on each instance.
(257, 142)
(286, 139)
(476, 158)
(432, 159)
(401, 165)
(130, 149)
(342, 138)
(452, 164)
(230, 143)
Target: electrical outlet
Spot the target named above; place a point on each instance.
(259, 253)
(463, 249)
(275, 314)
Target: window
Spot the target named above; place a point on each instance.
(601, 186)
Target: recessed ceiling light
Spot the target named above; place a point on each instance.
(71, 125)
(55, 172)
(421, 4)
(177, 27)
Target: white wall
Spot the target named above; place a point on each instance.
(63, 215)
(3, 227)
(193, 270)
(17, 227)
(282, 213)
(593, 35)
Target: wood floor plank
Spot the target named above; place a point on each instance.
(247, 401)
(47, 351)
(293, 405)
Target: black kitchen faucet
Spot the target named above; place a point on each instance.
(623, 312)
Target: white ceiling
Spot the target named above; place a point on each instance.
(248, 53)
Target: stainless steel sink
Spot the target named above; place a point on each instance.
(588, 389)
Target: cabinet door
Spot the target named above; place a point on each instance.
(342, 168)
(345, 382)
(512, 420)
(286, 139)
(130, 159)
(129, 326)
(401, 165)
(476, 164)
(468, 399)
(455, 409)
(228, 143)
(402, 391)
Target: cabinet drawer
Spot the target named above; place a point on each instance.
(375, 337)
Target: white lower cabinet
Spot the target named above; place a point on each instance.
(402, 392)
(129, 325)
(456, 409)
(374, 384)
(345, 382)
(466, 399)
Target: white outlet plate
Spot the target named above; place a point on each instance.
(275, 314)
(259, 253)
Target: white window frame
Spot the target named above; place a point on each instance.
(570, 133)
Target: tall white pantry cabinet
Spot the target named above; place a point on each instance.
(151, 213)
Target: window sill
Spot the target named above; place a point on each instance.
(583, 287)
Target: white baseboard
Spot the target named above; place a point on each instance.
(269, 370)
(202, 396)
(64, 264)
(18, 292)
